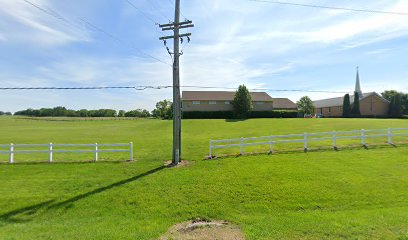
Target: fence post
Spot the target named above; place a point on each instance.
(305, 141)
(96, 152)
(389, 135)
(334, 140)
(363, 137)
(242, 146)
(11, 160)
(131, 150)
(210, 149)
(50, 152)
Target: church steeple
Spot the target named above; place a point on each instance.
(358, 88)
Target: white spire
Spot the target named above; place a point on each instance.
(358, 88)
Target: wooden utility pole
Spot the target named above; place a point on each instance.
(176, 26)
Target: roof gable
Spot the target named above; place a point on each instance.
(283, 103)
(222, 96)
(338, 101)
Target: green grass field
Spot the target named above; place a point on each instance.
(350, 194)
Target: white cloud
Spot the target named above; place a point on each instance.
(379, 51)
(234, 42)
(327, 27)
(34, 27)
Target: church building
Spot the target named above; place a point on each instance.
(372, 104)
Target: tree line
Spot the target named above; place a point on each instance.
(5, 113)
(64, 112)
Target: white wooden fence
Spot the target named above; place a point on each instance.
(306, 138)
(13, 149)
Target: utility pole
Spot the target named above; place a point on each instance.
(176, 26)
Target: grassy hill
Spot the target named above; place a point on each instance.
(354, 194)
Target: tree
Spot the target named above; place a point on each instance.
(138, 113)
(305, 105)
(83, 113)
(389, 94)
(355, 110)
(395, 106)
(242, 103)
(164, 110)
(121, 113)
(346, 106)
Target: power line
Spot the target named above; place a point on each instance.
(266, 89)
(50, 12)
(173, 5)
(142, 88)
(156, 7)
(142, 12)
(152, 20)
(117, 39)
(331, 7)
(122, 41)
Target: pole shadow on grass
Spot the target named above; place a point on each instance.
(26, 214)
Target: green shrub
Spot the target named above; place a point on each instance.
(208, 115)
(230, 114)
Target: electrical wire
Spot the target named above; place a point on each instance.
(122, 42)
(173, 5)
(152, 20)
(142, 88)
(330, 7)
(87, 22)
(142, 12)
(156, 8)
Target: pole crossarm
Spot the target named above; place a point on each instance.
(172, 37)
(173, 24)
(172, 28)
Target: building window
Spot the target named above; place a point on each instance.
(259, 103)
(227, 102)
(196, 102)
(212, 102)
(329, 109)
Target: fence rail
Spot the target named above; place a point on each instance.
(12, 149)
(306, 138)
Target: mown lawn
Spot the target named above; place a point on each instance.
(352, 194)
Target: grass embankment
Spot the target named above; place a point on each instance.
(348, 194)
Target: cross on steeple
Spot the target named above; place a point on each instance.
(358, 88)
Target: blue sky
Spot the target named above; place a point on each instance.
(234, 42)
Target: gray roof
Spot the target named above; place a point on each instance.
(338, 101)
(283, 103)
(222, 96)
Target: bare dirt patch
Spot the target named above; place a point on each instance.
(182, 163)
(203, 230)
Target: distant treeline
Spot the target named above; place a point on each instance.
(5, 113)
(63, 112)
